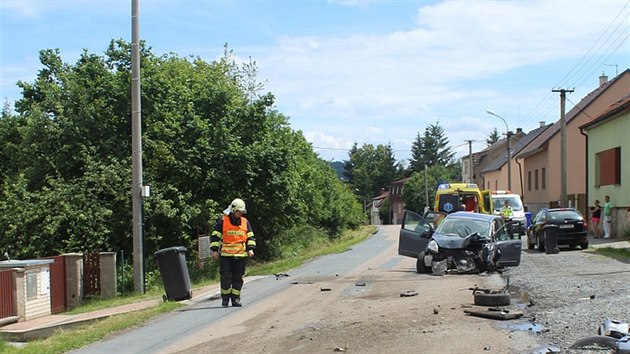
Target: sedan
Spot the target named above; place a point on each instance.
(571, 228)
(464, 241)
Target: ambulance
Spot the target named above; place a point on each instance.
(452, 197)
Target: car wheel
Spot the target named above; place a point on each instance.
(420, 267)
(584, 245)
(483, 299)
(530, 245)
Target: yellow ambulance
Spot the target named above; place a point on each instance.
(452, 197)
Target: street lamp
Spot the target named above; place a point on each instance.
(509, 153)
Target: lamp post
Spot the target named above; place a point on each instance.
(509, 153)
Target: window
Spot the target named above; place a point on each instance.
(608, 167)
(542, 178)
(536, 179)
(529, 180)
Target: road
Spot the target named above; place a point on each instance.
(348, 302)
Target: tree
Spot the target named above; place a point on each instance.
(209, 135)
(415, 191)
(431, 149)
(493, 137)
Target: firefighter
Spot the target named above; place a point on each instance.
(232, 242)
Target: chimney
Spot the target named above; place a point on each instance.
(603, 79)
(519, 130)
(542, 123)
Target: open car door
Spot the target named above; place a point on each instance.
(508, 239)
(414, 236)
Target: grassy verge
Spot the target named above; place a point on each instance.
(64, 341)
(620, 254)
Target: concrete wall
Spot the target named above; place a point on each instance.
(74, 279)
(108, 274)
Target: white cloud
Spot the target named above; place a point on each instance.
(409, 76)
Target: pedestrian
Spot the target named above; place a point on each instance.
(596, 215)
(506, 210)
(232, 242)
(607, 216)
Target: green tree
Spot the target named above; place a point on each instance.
(431, 149)
(209, 135)
(493, 137)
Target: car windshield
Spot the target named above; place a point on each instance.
(462, 227)
(514, 202)
(561, 215)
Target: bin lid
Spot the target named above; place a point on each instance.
(17, 263)
(180, 249)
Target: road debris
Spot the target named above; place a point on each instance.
(408, 293)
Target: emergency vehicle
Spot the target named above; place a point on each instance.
(514, 200)
(452, 197)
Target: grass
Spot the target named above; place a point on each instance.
(620, 254)
(63, 341)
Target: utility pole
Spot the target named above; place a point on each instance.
(563, 148)
(136, 155)
(470, 160)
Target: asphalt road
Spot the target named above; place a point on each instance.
(167, 330)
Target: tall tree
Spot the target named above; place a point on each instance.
(493, 137)
(431, 149)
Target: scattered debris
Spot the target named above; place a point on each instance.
(339, 349)
(302, 282)
(408, 293)
(324, 289)
(281, 275)
(436, 311)
(361, 283)
(494, 314)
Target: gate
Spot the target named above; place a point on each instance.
(7, 303)
(91, 274)
(58, 285)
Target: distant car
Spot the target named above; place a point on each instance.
(572, 228)
(465, 241)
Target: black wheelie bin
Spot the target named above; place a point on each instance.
(174, 272)
(551, 239)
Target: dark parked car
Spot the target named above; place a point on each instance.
(572, 229)
(463, 241)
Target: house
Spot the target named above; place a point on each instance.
(375, 206)
(494, 171)
(397, 203)
(607, 173)
(542, 156)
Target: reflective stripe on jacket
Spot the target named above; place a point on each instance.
(234, 238)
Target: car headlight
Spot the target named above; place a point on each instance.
(433, 246)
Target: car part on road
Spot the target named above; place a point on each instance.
(408, 293)
(488, 297)
(612, 334)
(493, 314)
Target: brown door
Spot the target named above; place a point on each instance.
(7, 303)
(58, 285)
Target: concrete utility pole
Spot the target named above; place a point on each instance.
(136, 157)
(563, 148)
(470, 161)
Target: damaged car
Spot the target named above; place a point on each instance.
(465, 242)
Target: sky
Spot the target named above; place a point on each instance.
(358, 71)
